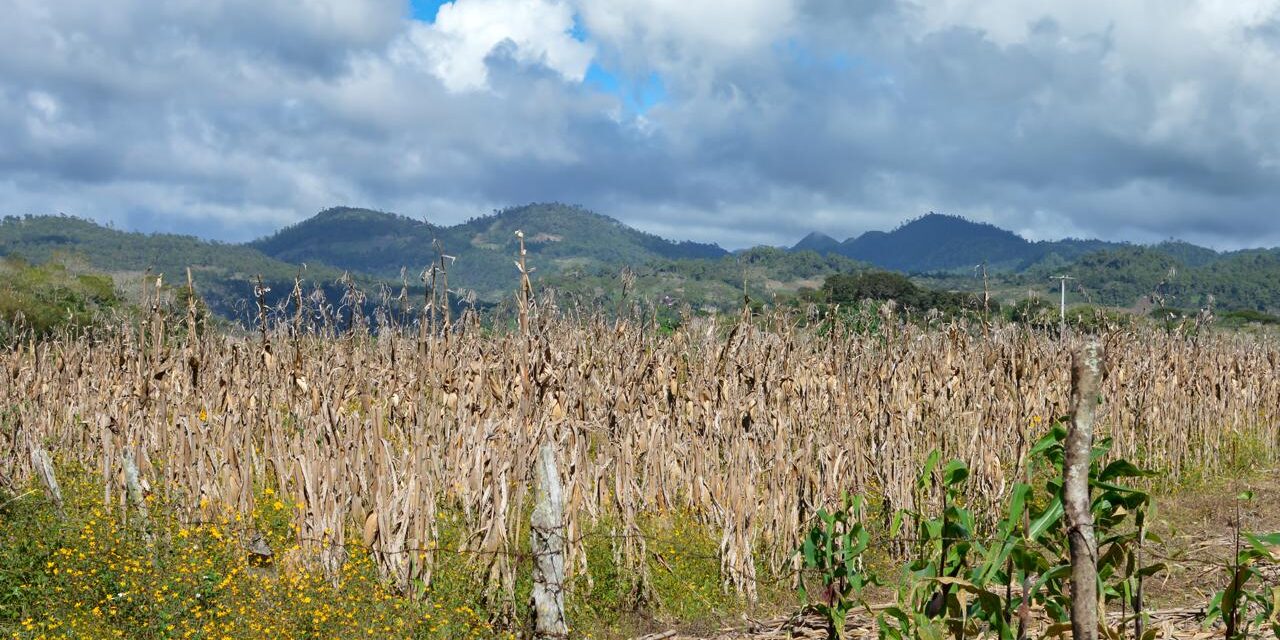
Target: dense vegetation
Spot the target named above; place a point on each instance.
(848, 288)
(937, 242)
(223, 272)
(1242, 280)
(559, 238)
(41, 299)
(764, 275)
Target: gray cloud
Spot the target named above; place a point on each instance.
(228, 119)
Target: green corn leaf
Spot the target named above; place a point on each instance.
(1046, 520)
(896, 525)
(926, 473)
(1018, 502)
(1123, 469)
(1265, 546)
(954, 473)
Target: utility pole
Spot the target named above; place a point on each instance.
(1062, 308)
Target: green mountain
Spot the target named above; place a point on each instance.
(938, 242)
(1187, 254)
(1238, 280)
(222, 272)
(942, 250)
(583, 255)
(766, 274)
(557, 237)
(819, 243)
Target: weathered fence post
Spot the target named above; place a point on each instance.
(547, 544)
(1086, 369)
(43, 466)
(137, 498)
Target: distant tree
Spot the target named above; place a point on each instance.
(1033, 310)
(886, 285)
(39, 300)
(874, 285)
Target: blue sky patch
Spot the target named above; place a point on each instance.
(638, 94)
(426, 10)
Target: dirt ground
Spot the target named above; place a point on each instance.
(1196, 530)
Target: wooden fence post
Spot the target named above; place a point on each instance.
(43, 465)
(137, 497)
(547, 544)
(1086, 370)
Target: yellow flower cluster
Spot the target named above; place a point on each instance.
(101, 573)
(98, 578)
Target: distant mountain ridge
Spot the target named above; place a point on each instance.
(557, 237)
(582, 254)
(940, 242)
(222, 271)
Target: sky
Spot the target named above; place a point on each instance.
(740, 122)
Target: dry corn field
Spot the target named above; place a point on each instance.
(748, 427)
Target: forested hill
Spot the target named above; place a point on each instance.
(557, 238)
(222, 271)
(374, 247)
(584, 254)
(1177, 275)
(937, 242)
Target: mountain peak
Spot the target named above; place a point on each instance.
(940, 242)
(558, 238)
(818, 242)
(933, 222)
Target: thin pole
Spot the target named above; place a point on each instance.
(1062, 305)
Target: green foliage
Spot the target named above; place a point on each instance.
(1176, 277)
(1039, 313)
(1248, 590)
(559, 239)
(857, 318)
(706, 284)
(1089, 318)
(1033, 311)
(222, 271)
(1242, 317)
(937, 243)
(959, 582)
(834, 549)
(1122, 276)
(847, 288)
(939, 579)
(185, 304)
(42, 299)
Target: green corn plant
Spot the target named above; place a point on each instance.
(959, 582)
(1120, 514)
(946, 587)
(1232, 603)
(833, 550)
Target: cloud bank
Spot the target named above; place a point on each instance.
(735, 121)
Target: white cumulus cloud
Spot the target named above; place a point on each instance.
(1135, 120)
(466, 33)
